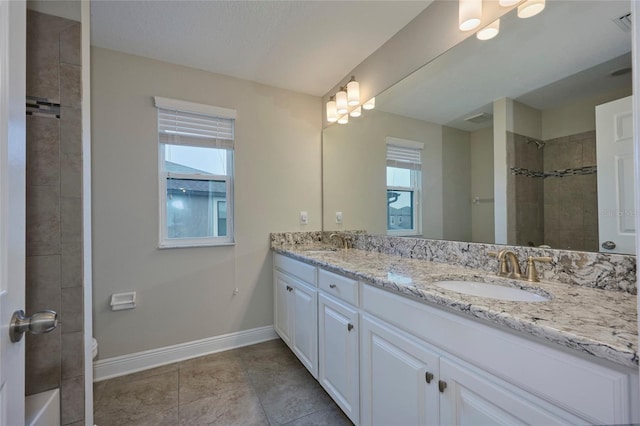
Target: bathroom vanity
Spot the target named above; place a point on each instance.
(391, 347)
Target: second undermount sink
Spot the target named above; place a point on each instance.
(491, 291)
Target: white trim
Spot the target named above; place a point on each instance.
(635, 43)
(126, 364)
(406, 143)
(87, 256)
(176, 104)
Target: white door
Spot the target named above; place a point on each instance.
(616, 189)
(398, 376)
(305, 326)
(12, 205)
(338, 370)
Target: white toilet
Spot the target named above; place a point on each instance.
(94, 348)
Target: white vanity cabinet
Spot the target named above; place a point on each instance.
(295, 309)
(338, 331)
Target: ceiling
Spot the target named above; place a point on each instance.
(304, 46)
(531, 60)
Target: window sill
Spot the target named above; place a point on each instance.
(192, 245)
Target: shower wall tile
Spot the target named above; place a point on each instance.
(42, 362)
(70, 52)
(43, 220)
(42, 151)
(72, 354)
(71, 219)
(71, 262)
(72, 400)
(70, 175)
(70, 130)
(70, 85)
(71, 308)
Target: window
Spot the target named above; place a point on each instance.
(404, 179)
(195, 173)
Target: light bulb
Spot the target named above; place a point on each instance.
(469, 14)
(356, 112)
(530, 8)
(343, 119)
(332, 113)
(353, 92)
(507, 3)
(341, 102)
(370, 104)
(490, 31)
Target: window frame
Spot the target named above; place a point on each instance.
(415, 189)
(164, 241)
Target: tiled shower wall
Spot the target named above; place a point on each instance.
(571, 202)
(54, 209)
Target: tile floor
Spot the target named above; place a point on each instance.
(262, 384)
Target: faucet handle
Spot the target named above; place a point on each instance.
(492, 253)
(532, 274)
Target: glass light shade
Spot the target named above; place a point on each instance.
(469, 14)
(370, 104)
(356, 112)
(343, 119)
(507, 3)
(341, 102)
(490, 31)
(530, 8)
(332, 113)
(353, 92)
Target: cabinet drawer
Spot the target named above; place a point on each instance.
(341, 287)
(296, 268)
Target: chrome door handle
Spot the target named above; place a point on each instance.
(38, 323)
(608, 245)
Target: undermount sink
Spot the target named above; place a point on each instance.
(320, 251)
(491, 291)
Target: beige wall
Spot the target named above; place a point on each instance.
(482, 224)
(354, 171)
(456, 167)
(187, 294)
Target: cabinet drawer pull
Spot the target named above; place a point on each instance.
(428, 377)
(289, 288)
(332, 286)
(349, 327)
(442, 386)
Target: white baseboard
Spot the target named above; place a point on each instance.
(126, 364)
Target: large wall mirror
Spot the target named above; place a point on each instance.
(507, 136)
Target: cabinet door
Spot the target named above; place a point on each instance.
(399, 377)
(473, 397)
(338, 359)
(282, 318)
(305, 326)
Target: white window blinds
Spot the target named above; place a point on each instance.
(404, 154)
(187, 123)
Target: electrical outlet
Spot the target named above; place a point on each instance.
(338, 217)
(304, 218)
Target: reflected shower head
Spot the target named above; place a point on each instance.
(539, 144)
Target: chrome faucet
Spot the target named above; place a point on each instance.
(344, 241)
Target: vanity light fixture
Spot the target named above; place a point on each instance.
(342, 106)
(530, 8)
(343, 119)
(356, 112)
(353, 92)
(490, 31)
(370, 104)
(469, 14)
(332, 112)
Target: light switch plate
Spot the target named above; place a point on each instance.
(338, 217)
(304, 218)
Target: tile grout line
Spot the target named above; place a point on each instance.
(253, 388)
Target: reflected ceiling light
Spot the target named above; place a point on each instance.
(356, 112)
(341, 101)
(507, 3)
(530, 8)
(490, 31)
(353, 92)
(469, 14)
(332, 112)
(343, 119)
(370, 104)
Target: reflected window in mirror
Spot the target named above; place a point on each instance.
(404, 179)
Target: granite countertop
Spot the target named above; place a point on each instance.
(597, 322)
